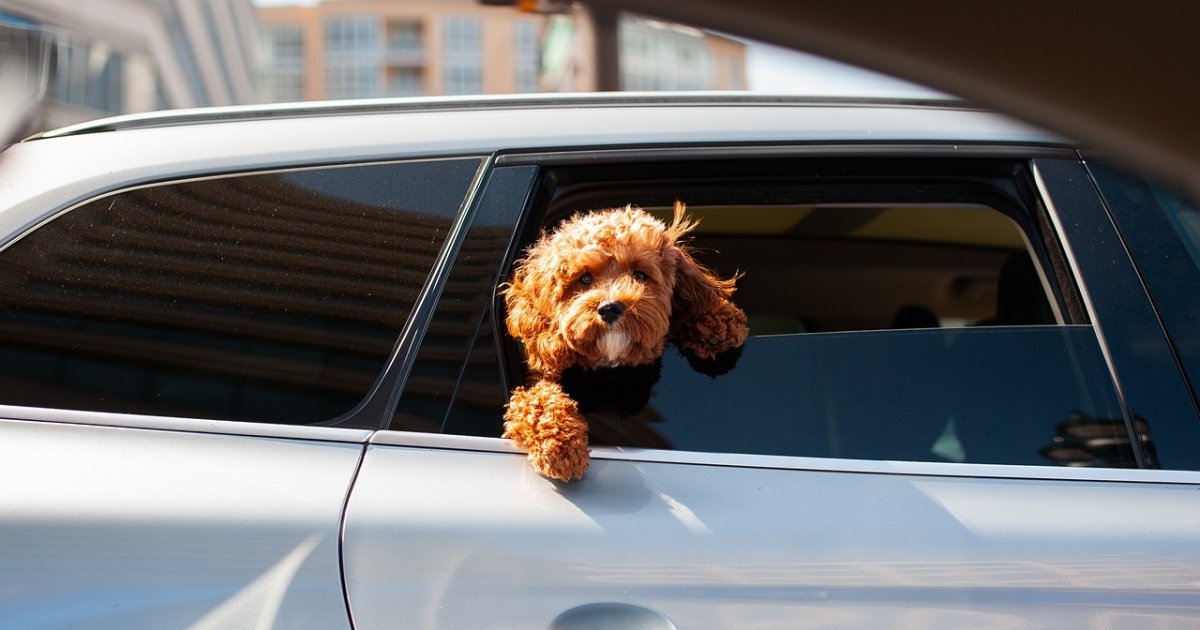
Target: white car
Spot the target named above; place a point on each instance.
(252, 374)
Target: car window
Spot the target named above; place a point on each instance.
(893, 315)
(902, 332)
(1161, 229)
(456, 360)
(270, 297)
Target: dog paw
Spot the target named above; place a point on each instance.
(714, 333)
(714, 366)
(545, 423)
(565, 461)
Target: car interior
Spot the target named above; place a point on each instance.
(841, 246)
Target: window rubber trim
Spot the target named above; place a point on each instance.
(1139, 455)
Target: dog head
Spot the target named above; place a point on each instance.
(608, 289)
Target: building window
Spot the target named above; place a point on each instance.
(404, 40)
(281, 55)
(352, 57)
(527, 57)
(660, 56)
(405, 82)
(463, 55)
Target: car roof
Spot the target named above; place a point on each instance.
(65, 166)
(476, 103)
(547, 104)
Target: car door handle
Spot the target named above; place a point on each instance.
(611, 616)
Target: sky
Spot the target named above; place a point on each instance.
(785, 71)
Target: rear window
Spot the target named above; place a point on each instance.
(269, 297)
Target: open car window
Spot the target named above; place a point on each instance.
(902, 314)
(840, 267)
(835, 365)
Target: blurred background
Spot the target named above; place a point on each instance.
(67, 61)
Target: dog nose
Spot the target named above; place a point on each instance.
(610, 312)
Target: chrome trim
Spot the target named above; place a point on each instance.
(1049, 149)
(183, 425)
(480, 102)
(434, 441)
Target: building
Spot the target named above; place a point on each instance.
(657, 55)
(103, 57)
(374, 48)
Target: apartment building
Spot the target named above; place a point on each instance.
(376, 48)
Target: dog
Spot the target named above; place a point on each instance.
(594, 304)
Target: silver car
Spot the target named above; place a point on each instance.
(254, 368)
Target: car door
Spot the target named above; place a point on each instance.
(186, 384)
(990, 470)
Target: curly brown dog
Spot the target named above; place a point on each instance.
(606, 290)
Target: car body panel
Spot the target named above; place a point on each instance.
(485, 542)
(104, 527)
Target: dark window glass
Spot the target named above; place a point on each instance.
(1161, 229)
(457, 361)
(1010, 395)
(273, 297)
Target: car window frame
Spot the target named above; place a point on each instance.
(1052, 227)
(1150, 384)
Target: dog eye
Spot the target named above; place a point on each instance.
(585, 279)
(640, 276)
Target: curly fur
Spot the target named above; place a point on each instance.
(605, 290)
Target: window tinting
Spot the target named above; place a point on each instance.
(456, 360)
(1161, 229)
(1007, 395)
(272, 297)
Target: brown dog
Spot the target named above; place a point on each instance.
(606, 290)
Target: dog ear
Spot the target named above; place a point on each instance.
(529, 300)
(705, 324)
